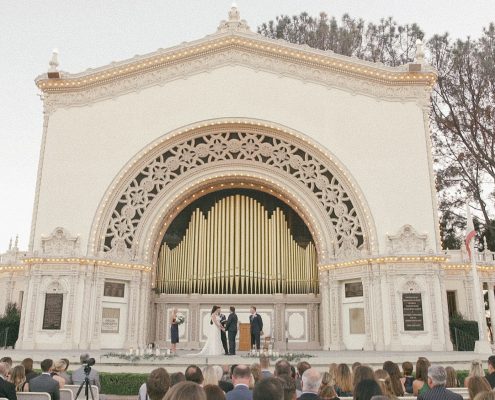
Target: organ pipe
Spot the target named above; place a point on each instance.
(237, 248)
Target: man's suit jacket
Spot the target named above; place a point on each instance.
(256, 323)
(7, 390)
(439, 393)
(231, 325)
(240, 392)
(45, 383)
(225, 386)
(491, 379)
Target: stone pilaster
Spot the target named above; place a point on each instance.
(368, 312)
(445, 312)
(325, 310)
(491, 303)
(378, 310)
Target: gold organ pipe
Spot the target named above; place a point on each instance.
(222, 244)
(252, 262)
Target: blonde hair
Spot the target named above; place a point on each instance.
(59, 366)
(331, 371)
(382, 377)
(488, 395)
(478, 384)
(210, 376)
(452, 381)
(18, 376)
(476, 368)
(343, 378)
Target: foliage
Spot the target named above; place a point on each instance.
(9, 325)
(463, 333)
(463, 105)
(121, 384)
(287, 356)
(137, 358)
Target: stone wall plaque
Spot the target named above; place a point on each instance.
(353, 289)
(356, 321)
(412, 308)
(52, 316)
(110, 320)
(114, 289)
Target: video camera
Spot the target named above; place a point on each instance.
(88, 364)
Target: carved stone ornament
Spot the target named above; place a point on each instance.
(235, 23)
(60, 243)
(222, 148)
(407, 241)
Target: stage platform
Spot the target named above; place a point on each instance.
(319, 359)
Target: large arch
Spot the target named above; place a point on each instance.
(167, 172)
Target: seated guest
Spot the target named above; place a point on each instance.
(157, 384)
(478, 384)
(355, 365)
(58, 367)
(177, 377)
(186, 390)
(265, 367)
(328, 393)
(301, 368)
(225, 385)
(194, 374)
(491, 371)
(213, 392)
(78, 375)
(476, 369)
(18, 378)
(210, 376)
(485, 395)
(27, 363)
(436, 381)
(383, 379)
(366, 389)
(394, 373)
(332, 368)
(45, 382)
(343, 381)
(420, 384)
(64, 374)
(408, 378)
(362, 372)
(7, 360)
(256, 372)
(282, 367)
(452, 381)
(310, 384)
(240, 378)
(269, 389)
(289, 386)
(7, 389)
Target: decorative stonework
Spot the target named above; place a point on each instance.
(407, 241)
(235, 23)
(60, 243)
(226, 148)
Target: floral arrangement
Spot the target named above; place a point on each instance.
(274, 356)
(132, 357)
(180, 319)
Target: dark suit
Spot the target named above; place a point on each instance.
(223, 336)
(439, 393)
(308, 396)
(225, 386)
(45, 383)
(240, 392)
(256, 327)
(231, 328)
(491, 379)
(7, 390)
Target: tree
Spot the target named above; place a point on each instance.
(463, 116)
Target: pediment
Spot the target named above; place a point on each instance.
(235, 44)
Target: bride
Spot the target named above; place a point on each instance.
(213, 345)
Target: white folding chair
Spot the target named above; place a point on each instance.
(33, 396)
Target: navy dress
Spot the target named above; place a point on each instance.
(174, 332)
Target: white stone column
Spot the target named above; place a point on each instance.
(395, 343)
(368, 311)
(491, 303)
(378, 310)
(325, 310)
(336, 342)
(445, 312)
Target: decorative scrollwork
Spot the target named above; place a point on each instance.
(209, 149)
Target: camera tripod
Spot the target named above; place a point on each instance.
(86, 384)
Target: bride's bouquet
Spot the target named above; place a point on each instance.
(180, 318)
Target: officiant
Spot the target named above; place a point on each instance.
(223, 336)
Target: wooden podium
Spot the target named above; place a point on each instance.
(244, 337)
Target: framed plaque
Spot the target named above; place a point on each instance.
(110, 320)
(52, 316)
(412, 308)
(114, 289)
(353, 289)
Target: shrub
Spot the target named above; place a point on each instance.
(122, 384)
(9, 325)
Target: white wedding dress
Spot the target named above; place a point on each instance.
(213, 345)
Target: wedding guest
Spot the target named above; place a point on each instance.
(78, 376)
(420, 384)
(256, 372)
(394, 373)
(328, 393)
(186, 391)
(240, 378)
(436, 382)
(343, 381)
(476, 369)
(366, 389)
(408, 378)
(476, 385)
(7, 389)
(269, 389)
(282, 367)
(289, 386)
(301, 368)
(452, 381)
(27, 363)
(382, 377)
(174, 331)
(355, 365)
(58, 366)
(310, 384)
(18, 378)
(44, 382)
(491, 371)
(7, 360)
(177, 377)
(64, 374)
(223, 384)
(265, 367)
(362, 372)
(210, 376)
(213, 392)
(485, 396)
(194, 374)
(332, 368)
(157, 384)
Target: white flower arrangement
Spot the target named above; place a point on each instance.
(180, 319)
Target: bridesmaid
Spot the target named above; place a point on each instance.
(174, 332)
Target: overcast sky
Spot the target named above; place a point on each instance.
(93, 33)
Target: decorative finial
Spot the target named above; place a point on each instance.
(485, 244)
(420, 52)
(235, 23)
(53, 69)
(10, 244)
(16, 245)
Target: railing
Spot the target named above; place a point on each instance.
(462, 341)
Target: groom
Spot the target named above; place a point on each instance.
(231, 328)
(256, 327)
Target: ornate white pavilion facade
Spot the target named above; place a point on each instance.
(341, 144)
